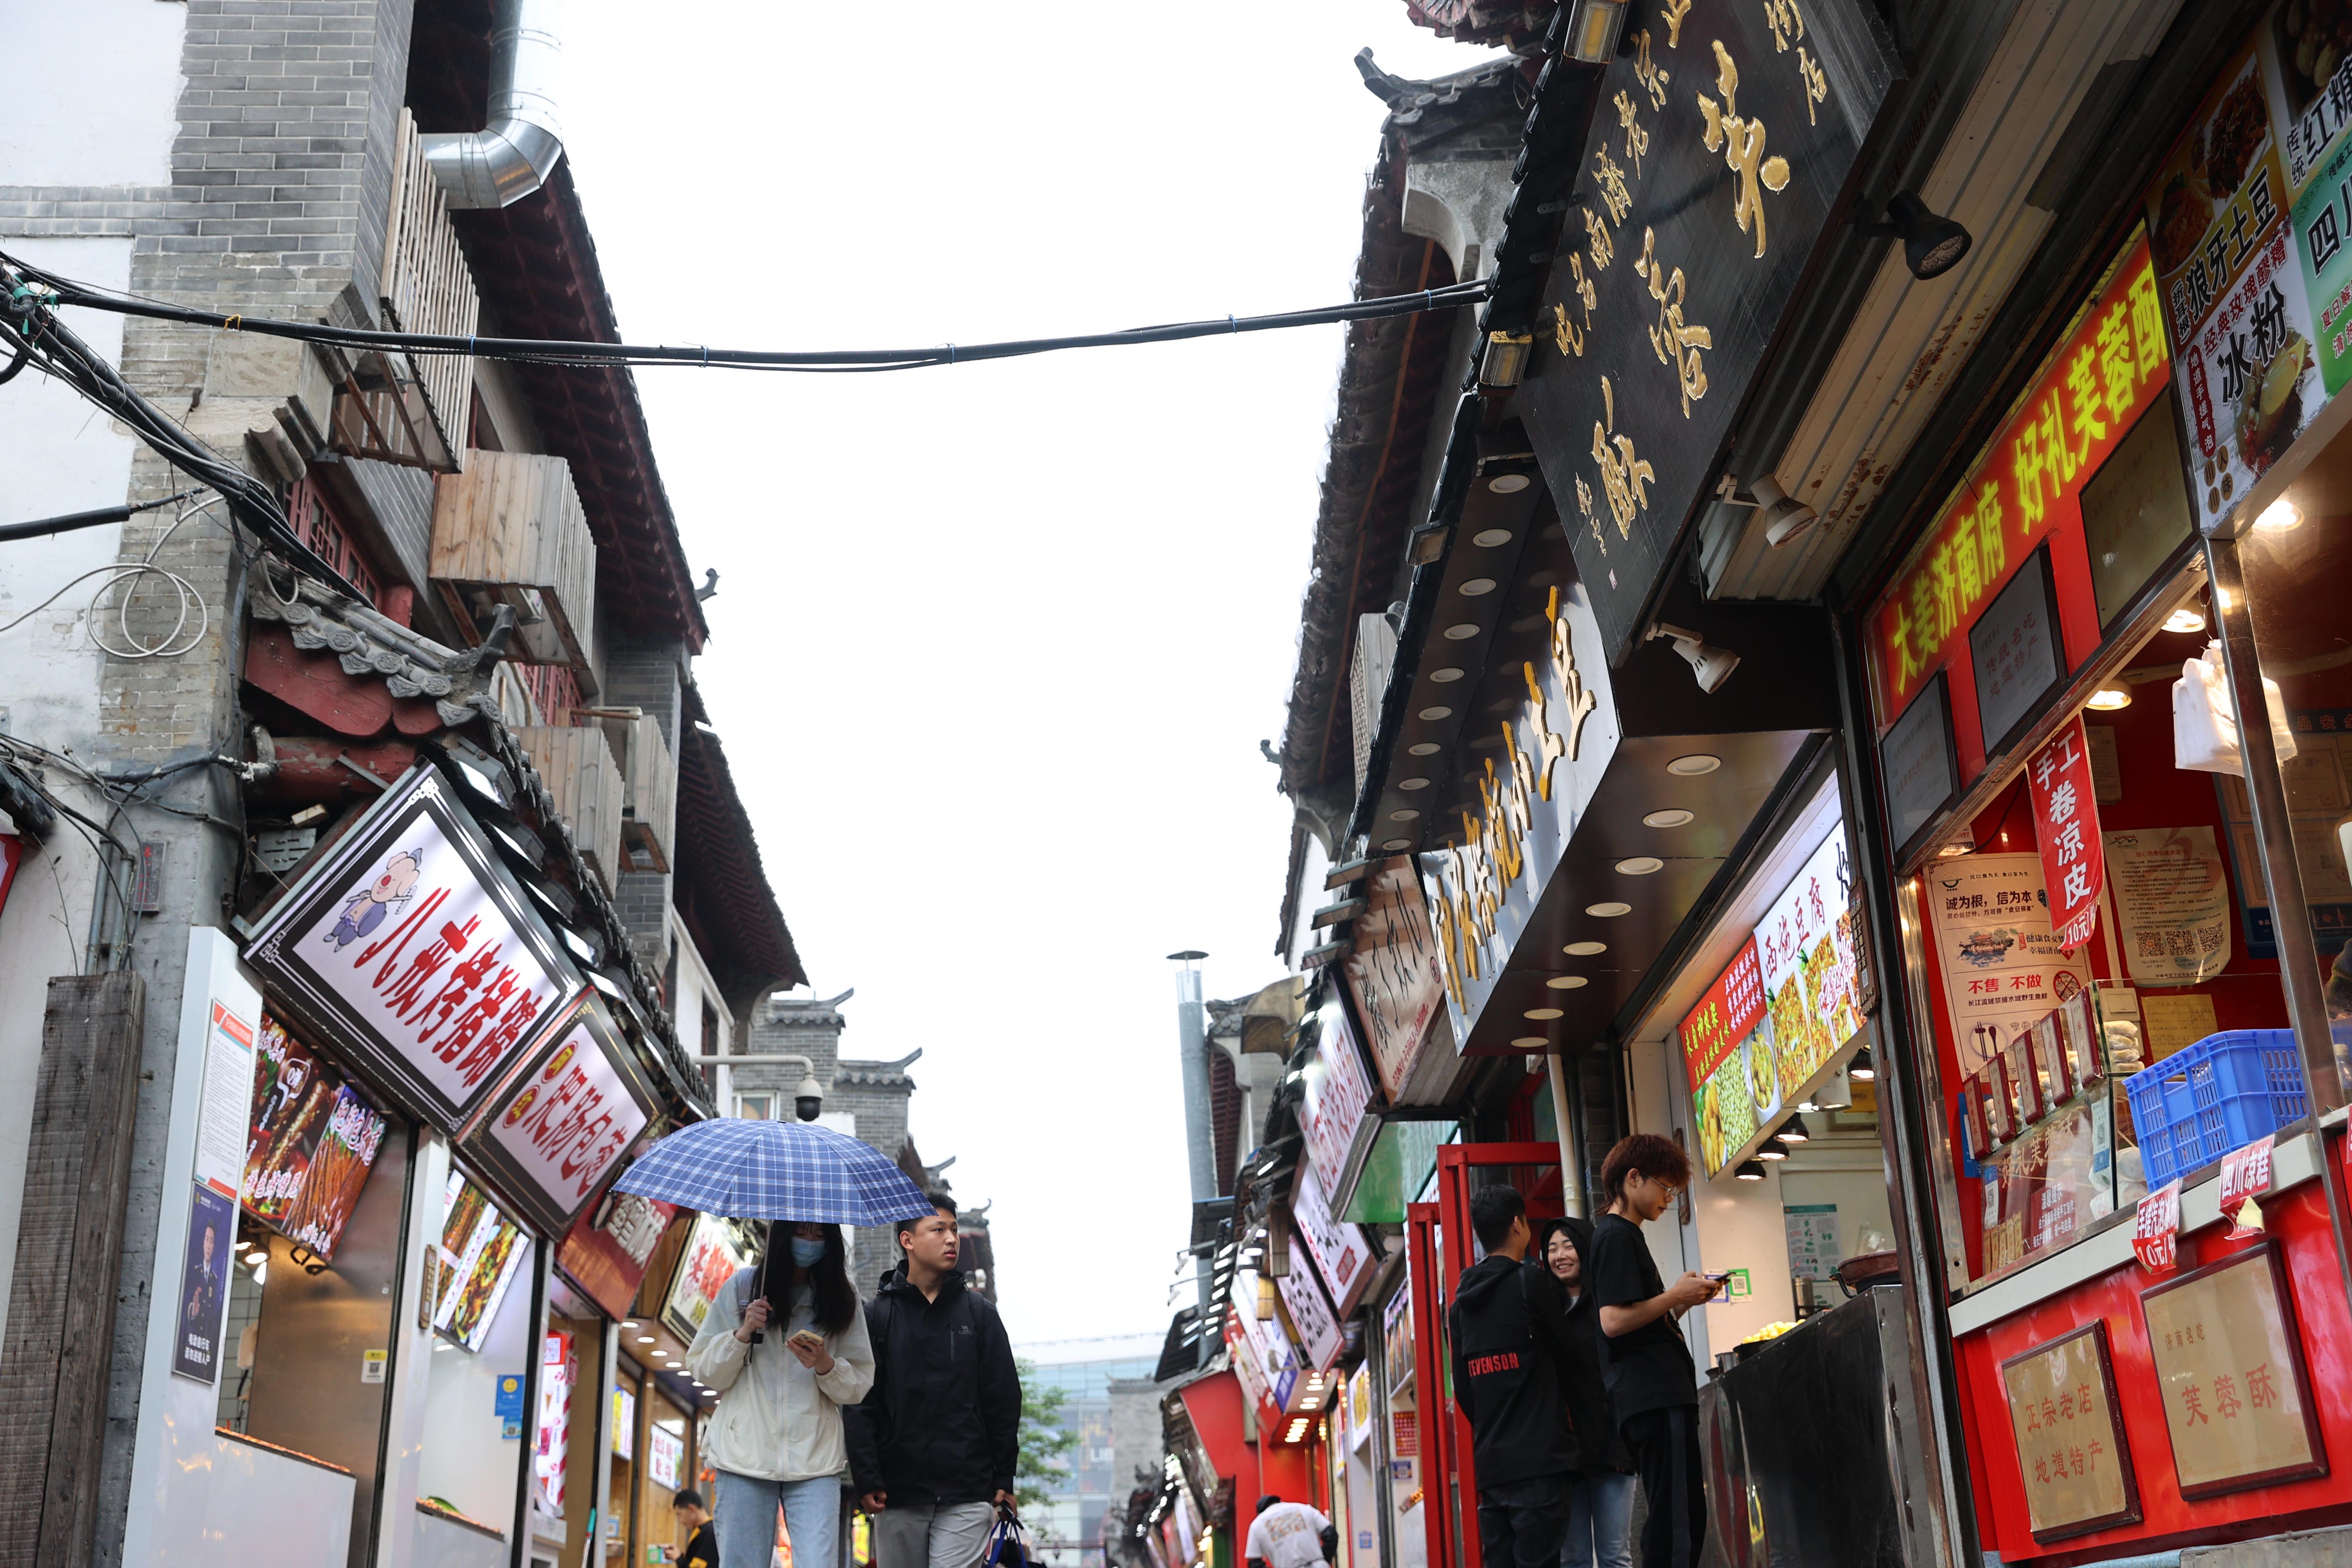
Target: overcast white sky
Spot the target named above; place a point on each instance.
(994, 646)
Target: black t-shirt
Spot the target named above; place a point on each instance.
(701, 1549)
(1649, 1369)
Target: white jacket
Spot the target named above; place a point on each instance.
(777, 1420)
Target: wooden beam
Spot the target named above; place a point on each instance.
(61, 1305)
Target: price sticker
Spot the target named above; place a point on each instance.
(2156, 1231)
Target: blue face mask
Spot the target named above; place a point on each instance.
(807, 1254)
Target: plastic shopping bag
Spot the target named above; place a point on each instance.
(2205, 720)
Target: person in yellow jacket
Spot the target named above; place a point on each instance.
(775, 1439)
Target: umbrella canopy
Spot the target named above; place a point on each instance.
(790, 1170)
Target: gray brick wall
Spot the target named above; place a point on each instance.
(647, 673)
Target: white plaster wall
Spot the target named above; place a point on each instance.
(106, 105)
(184, 1493)
(63, 457)
(465, 1460)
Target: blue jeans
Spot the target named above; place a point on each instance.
(1599, 1522)
(743, 1509)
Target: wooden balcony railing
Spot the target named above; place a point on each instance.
(651, 806)
(413, 408)
(509, 530)
(580, 773)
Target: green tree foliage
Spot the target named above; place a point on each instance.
(1044, 1441)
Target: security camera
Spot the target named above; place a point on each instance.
(1712, 666)
(808, 1099)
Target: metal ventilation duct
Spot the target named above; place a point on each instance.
(515, 153)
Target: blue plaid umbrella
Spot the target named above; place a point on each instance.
(791, 1171)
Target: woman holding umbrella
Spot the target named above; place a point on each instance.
(785, 1346)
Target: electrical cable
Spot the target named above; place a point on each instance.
(117, 573)
(591, 354)
(28, 313)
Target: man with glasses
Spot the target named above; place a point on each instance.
(1651, 1380)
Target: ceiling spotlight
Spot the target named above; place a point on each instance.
(1793, 1131)
(1431, 715)
(1609, 910)
(1593, 30)
(1530, 1042)
(2107, 699)
(1567, 982)
(1861, 1067)
(2278, 517)
(1541, 1014)
(1393, 845)
(1584, 949)
(1749, 1171)
(1695, 765)
(1772, 1148)
(1672, 816)
(1640, 864)
(1712, 666)
(2184, 620)
(1488, 538)
(1932, 246)
(1783, 516)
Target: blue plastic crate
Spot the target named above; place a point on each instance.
(2219, 1094)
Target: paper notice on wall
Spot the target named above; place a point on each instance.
(2003, 968)
(2172, 902)
(2168, 1023)
(227, 1094)
(1813, 1252)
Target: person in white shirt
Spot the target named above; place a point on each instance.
(1290, 1535)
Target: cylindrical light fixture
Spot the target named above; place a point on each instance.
(1793, 1130)
(1862, 1067)
(1749, 1171)
(1592, 30)
(1506, 359)
(1772, 1148)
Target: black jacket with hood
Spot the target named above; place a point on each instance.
(942, 1422)
(1599, 1446)
(1510, 1341)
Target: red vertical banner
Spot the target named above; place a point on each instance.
(2066, 826)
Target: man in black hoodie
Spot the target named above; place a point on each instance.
(933, 1443)
(1510, 1355)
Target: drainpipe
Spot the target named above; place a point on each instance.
(514, 154)
(1571, 1164)
(1200, 1146)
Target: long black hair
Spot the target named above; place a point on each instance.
(834, 1298)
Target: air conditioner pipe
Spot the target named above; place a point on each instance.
(514, 154)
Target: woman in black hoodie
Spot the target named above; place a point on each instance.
(1601, 1499)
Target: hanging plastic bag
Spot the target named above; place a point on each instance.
(2205, 720)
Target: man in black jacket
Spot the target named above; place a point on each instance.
(933, 1443)
(1511, 1352)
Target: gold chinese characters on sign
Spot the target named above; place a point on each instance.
(2071, 1447)
(1487, 863)
(2237, 1403)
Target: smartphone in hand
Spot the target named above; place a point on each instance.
(808, 1339)
(1722, 1279)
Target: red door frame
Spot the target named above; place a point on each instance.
(1448, 1475)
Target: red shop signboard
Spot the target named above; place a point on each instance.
(2026, 487)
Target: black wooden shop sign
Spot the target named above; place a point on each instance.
(1725, 135)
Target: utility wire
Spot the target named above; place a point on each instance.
(28, 321)
(542, 351)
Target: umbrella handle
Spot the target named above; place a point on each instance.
(759, 1293)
